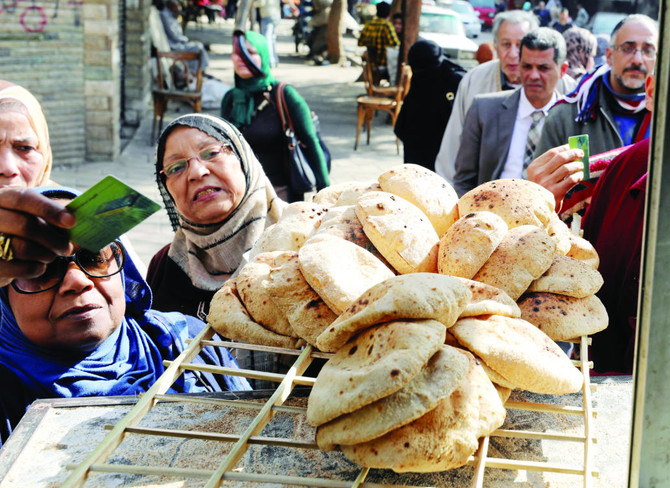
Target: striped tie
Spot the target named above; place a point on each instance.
(533, 137)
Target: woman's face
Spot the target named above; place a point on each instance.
(21, 164)
(79, 314)
(206, 192)
(240, 68)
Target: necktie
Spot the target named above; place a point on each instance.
(533, 138)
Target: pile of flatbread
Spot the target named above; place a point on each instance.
(434, 307)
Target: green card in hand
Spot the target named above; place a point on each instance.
(582, 142)
(105, 211)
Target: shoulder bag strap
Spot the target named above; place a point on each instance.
(283, 113)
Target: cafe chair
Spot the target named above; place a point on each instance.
(176, 82)
(368, 105)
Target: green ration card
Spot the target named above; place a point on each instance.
(582, 142)
(105, 211)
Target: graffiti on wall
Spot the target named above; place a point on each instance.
(32, 16)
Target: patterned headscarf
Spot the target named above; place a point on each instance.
(241, 98)
(208, 254)
(581, 49)
(10, 91)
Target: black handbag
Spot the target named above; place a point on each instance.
(301, 176)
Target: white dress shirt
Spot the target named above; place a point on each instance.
(514, 164)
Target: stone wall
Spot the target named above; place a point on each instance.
(67, 53)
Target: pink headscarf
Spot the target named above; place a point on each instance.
(37, 121)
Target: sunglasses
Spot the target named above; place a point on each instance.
(102, 264)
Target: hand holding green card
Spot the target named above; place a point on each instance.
(105, 211)
(582, 142)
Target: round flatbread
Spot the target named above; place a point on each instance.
(583, 250)
(518, 202)
(445, 437)
(251, 288)
(469, 243)
(568, 276)
(520, 353)
(523, 255)
(340, 271)
(412, 296)
(444, 372)
(304, 309)
(431, 193)
(373, 365)
(328, 196)
(487, 300)
(298, 221)
(351, 195)
(230, 319)
(563, 317)
(560, 233)
(400, 231)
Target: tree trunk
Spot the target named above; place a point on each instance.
(333, 33)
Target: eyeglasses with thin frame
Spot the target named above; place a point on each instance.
(102, 264)
(648, 52)
(207, 155)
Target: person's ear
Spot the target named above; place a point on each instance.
(564, 68)
(649, 85)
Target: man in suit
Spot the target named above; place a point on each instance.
(501, 129)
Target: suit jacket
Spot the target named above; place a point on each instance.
(486, 138)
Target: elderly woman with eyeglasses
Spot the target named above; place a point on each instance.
(84, 328)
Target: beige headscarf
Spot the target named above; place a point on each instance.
(37, 121)
(209, 254)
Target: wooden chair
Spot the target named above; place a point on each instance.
(373, 87)
(175, 81)
(369, 104)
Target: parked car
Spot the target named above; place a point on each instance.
(469, 16)
(486, 10)
(604, 22)
(444, 27)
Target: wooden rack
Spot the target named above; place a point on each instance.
(226, 470)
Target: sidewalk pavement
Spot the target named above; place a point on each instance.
(330, 91)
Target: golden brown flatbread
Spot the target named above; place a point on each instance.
(583, 250)
(469, 243)
(487, 299)
(521, 353)
(404, 297)
(400, 231)
(568, 276)
(431, 193)
(562, 317)
(518, 202)
(339, 271)
(230, 319)
(444, 372)
(374, 364)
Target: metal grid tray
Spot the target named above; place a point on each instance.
(519, 446)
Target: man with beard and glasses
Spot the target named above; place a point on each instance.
(608, 104)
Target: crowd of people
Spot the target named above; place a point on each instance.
(76, 323)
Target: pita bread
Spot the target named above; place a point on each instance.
(304, 309)
(328, 196)
(413, 296)
(229, 319)
(469, 243)
(400, 231)
(583, 250)
(521, 353)
(562, 317)
(351, 195)
(298, 221)
(373, 365)
(487, 299)
(342, 222)
(442, 439)
(560, 233)
(518, 202)
(444, 372)
(251, 288)
(568, 276)
(523, 255)
(431, 193)
(340, 271)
